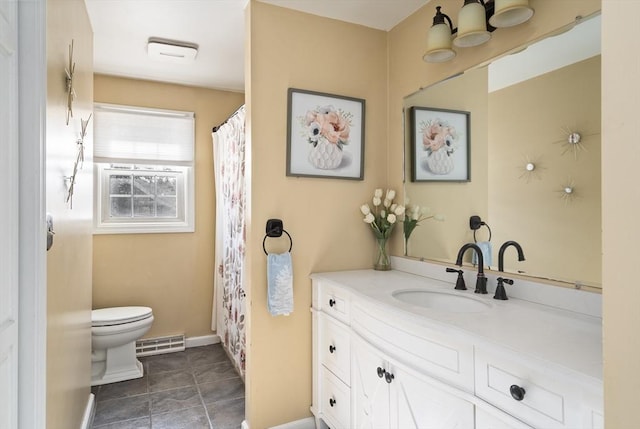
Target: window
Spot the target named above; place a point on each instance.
(143, 170)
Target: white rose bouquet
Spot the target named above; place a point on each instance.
(382, 218)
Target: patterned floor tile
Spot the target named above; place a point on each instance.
(170, 380)
(176, 399)
(191, 418)
(226, 414)
(122, 389)
(144, 423)
(215, 372)
(206, 355)
(232, 388)
(116, 410)
(172, 393)
(166, 362)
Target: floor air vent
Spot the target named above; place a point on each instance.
(160, 345)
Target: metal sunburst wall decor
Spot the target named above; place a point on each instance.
(71, 93)
(530, 169)
(573, 141)
(568, 191)
(79, 162)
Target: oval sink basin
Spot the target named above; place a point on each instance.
(441, 301)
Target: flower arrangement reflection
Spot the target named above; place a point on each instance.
(382, 218)
(414, 215)
(439, 141)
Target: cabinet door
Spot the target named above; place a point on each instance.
(496, 419)
(417, 403)
(370, 392)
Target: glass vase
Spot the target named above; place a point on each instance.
(382, 261)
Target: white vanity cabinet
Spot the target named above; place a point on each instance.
(381, 365)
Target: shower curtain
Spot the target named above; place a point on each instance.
(228, 317)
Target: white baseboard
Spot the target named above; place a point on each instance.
(89, 412)
(308, 423)
(204, 340)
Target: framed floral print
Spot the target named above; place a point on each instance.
(439, 145)
(325, 135)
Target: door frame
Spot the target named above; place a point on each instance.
(32, 297)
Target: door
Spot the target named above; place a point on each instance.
(370, 391)
(9, 215)
(415, 402)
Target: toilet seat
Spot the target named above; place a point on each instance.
(113, 316)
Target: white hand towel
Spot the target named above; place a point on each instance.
(279, 284)
(485, 246)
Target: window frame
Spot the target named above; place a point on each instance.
(183, 223)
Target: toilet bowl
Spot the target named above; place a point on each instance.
(114, 332)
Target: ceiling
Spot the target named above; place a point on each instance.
(123, 27)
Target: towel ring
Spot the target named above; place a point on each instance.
(474, 232)
(274, 229)
(475, 223)
(264, 240)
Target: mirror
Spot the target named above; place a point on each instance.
(533, 144)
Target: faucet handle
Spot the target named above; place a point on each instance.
(460, 285)
(501, 293)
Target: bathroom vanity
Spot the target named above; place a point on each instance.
(400, 350)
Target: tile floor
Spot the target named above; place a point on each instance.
(194, 389)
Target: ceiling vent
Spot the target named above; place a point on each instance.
(171, 50)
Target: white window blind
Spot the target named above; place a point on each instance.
(144, 136)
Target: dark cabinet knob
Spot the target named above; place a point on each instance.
(332, 302)
(332, 348)
(332, 402)
(517, 392)
(388, 377)
(381, 372)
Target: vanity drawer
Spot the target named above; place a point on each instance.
(335, 401)
(335, 350)
(549, 400)
(333, 301)
(433, 353)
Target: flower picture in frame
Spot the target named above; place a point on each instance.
(439, 145)
(325, 135)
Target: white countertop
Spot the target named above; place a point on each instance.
(559, 338)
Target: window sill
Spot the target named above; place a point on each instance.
(156, 228)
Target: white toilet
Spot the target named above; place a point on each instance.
(114, 332)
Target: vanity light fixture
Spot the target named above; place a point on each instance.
(472, 25)
(509, 13)
(439, 39)
(476, 20)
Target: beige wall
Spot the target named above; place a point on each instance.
(69, 260)
(621, 204)
(561, 238)
(171, 273)
(292, 49)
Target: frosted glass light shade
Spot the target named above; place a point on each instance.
(508, 13)
(439, 44)
(472, 26)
